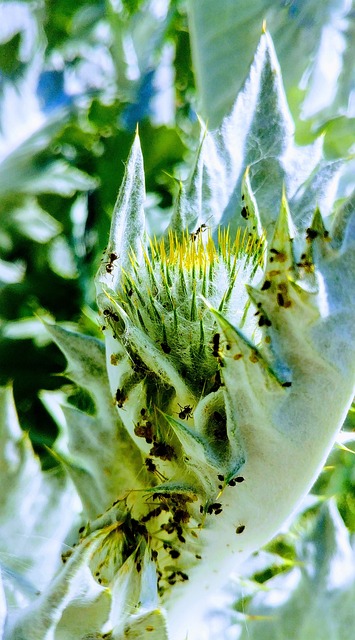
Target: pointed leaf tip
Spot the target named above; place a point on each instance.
(127, 232)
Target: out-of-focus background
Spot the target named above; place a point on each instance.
(75, 80)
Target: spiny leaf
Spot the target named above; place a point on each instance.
(127, 231)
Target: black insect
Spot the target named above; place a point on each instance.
(111, 260)
(163, 451)
(215, 508)
(150, 465)
(199, 230)
(266, 285)
(110, 314)
(244, 212)
(215, 342)
(235, 481)
(120, 398)
(240, 529)
(144, 431)
(165, 347)
(185, 412)
(311, 234)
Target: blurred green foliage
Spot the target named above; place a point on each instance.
(76, 103)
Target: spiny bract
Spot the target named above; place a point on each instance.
(230, 371)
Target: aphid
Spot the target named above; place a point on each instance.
(165, 347)
(150, 465)
(185, 412)
(181, 515)
(111, 260)
(144, 431)
(266, 285)
(264, 322)
(174, 553)
(216, 508)
(171, 578)
(120, 398)
(235, 481)
(199, 230)
(286, 384)
(280, 300)
(182, 575)
(244, 212)
(215, 342)
(163, 451)
(240, 529)
(311, 234)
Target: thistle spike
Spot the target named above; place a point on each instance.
(280, 252)
(128, 222)
(178, 222)
(91, 496)
(250, 211)
(131, 586)
(199, 456)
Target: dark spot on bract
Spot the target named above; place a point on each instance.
(280, 300)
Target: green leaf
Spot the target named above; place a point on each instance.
(314, 600)
(258, 133)
(73, 605)
(37, 510)
(223, 44)
(314, 42)
(127, 230)
(100, 442)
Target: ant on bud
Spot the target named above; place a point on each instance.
(185, 412)
(203, 227)
(111, 260)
